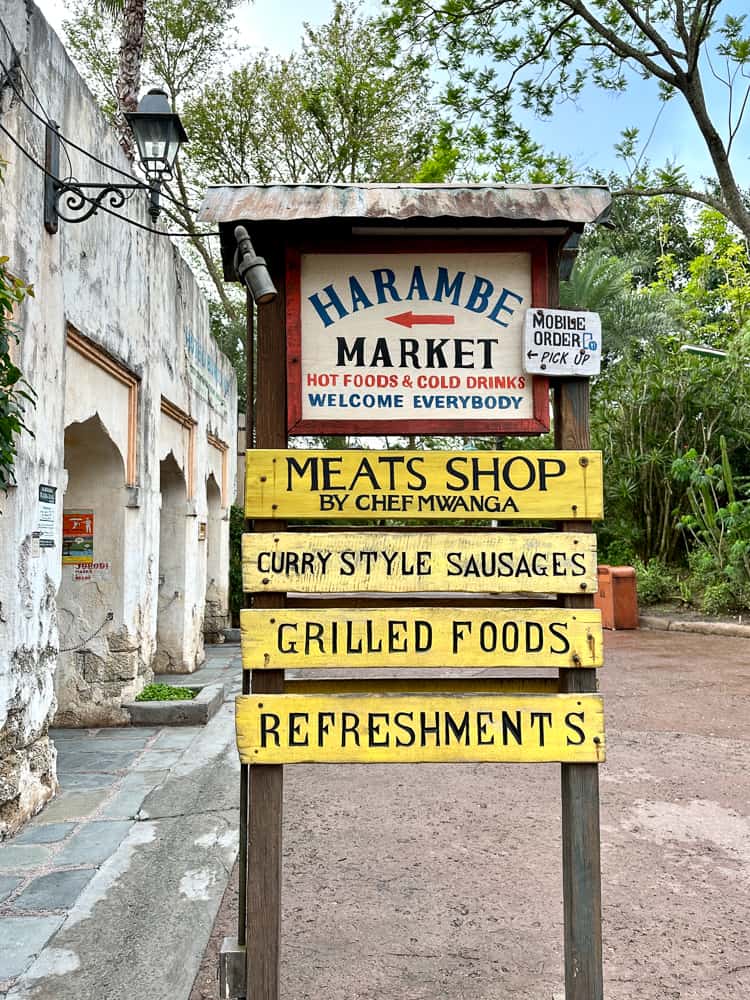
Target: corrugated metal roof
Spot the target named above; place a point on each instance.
(539, 203)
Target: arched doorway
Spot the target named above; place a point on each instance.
(215, 617)
(171, 623)
(97, 666)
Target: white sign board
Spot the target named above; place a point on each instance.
(46, 516)
(562, 342)
(410, 340)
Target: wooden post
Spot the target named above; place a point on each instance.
(582, 902)
(246, 603)
(266, 784)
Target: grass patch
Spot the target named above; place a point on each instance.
(165, 692)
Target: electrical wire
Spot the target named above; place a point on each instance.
(102, 208)
(47, 120)
(16, 53)
(69, 142)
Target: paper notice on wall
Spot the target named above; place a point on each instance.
(92, 571)
(47, 517)
(78, 537)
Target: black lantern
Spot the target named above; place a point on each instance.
(158, 134)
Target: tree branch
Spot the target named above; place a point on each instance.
(649, 32)
(620, 46)
(678, 191)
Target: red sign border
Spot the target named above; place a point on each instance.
(539, 423)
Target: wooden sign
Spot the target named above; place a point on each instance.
(421, 637)
(445, 485)
(402, 340)
(399, 563)
(403, 729)
(562, 342)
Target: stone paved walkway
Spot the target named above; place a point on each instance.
(116, 785)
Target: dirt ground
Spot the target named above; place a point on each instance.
(443, 881)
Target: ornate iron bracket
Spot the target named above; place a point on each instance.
(73, 201)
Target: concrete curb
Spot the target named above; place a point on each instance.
(704, 628)
(196, 712)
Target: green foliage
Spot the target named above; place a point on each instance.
(708, 589)
(474, 154)
(346, 107)
(656, 582)
(230, 335)
(182, 40)
(718, 523)
(649, 409)
(643, 231)
(715, 284)
(165, 692)
(15, 392)
(534, 54)
(236, 527)
(607, 285)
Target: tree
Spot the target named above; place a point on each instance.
(345, 108)
(715, 284)
(608, 286)
(549, 49)
(181, 41)
(132, 17)
(648, 409)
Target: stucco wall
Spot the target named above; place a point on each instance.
(131, 295)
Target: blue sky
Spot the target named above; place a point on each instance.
(586, 132)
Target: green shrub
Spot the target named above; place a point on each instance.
(718, 598)
(617, 552)
(656, 582)
(165, 692)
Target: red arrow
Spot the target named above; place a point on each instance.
(410, 319)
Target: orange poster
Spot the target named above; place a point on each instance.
(78, 536)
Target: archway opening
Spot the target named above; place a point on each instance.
(171, 624)
(215, 617)
(93, 673)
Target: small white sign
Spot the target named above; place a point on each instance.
(562, 342)
(46, 516)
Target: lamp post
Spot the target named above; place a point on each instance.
(158, 134)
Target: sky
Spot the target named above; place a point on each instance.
(586, 132)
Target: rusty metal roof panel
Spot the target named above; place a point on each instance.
(538, 203)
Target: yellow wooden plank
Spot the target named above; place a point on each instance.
(311, 684)
(403, 563)
(444, 485)
(402, 729)
(421, 637)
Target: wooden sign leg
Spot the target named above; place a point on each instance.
(582, 896)
(266, 783)
(264, 883)
(581, 852)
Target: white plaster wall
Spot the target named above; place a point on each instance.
(174, 439)
(133, 294)
(90, 391)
